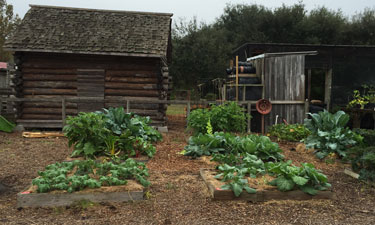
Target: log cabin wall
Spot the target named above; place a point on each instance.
(46, 75)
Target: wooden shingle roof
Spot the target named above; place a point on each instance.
(90, 31)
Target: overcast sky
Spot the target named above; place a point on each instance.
(204, 10)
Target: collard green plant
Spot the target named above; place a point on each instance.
(89, 174)
(329, 134)
(235, 179)
(87, 133)
(290, 132)
(110, 133)
(306, 178)
(229, 117)
(226, 143)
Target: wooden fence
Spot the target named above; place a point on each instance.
(249, 105)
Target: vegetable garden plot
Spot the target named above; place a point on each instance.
(264, 192)
(130, 192)
(64, 183)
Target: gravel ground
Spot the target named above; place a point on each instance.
(177, 195)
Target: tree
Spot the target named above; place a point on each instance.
(202, 51)
(8, 23)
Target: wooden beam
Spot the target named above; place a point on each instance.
(63, 111)
(306, 108)
(328, 88)
(309, 85)
(236, 78)
(249, 119)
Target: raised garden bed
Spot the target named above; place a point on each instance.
(61, 184)
(129, 192)
(264, 192)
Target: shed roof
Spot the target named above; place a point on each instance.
(91, 31)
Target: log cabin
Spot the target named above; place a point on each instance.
(63, 52)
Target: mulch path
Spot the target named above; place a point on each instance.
(178, 194)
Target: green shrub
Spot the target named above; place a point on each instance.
(329, 134)
(290, 132)
(368, 136)
(363, 161)
(229, 117)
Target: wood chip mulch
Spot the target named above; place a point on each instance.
(178, 194)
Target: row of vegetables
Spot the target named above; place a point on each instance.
(120, 136)
(246, 156)
(107, 141)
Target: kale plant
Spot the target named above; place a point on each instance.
(329, 134)
(226, 143)
(306, 178)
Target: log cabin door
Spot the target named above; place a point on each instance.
(90, 83)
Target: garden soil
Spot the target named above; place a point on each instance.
(178, 195)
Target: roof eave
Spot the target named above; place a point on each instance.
(86, 52)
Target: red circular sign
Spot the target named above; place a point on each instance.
(263, 106)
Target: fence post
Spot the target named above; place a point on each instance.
(187, 111)
(63, 111)
(127, 106)
(244, 93)
(306, 108)
(1, 104)
(249, 118)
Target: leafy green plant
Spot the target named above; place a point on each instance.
(368, 136)
(100, 133)
(329, 134)
(89, 174)
(198, 119)
(306, 178)
(235, 179)
(363, 161)
(86, 132)
(228, 117)
(290, 132)
(358, 99)
(226, 143)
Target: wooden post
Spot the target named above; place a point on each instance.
(309, 85)
(187, 111)
(237, 78)
(327, 89)
(127, 106)
(1, 105)
(249, 118)
(63, 111)
(306, 108)
(263, 79)
(225, 93)
(244, 93)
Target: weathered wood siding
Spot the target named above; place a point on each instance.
(69, 75)
(285, 80)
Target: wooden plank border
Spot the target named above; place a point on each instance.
(65, 199)
(218, 194)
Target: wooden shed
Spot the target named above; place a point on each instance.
(65, 52)
(281, 81)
